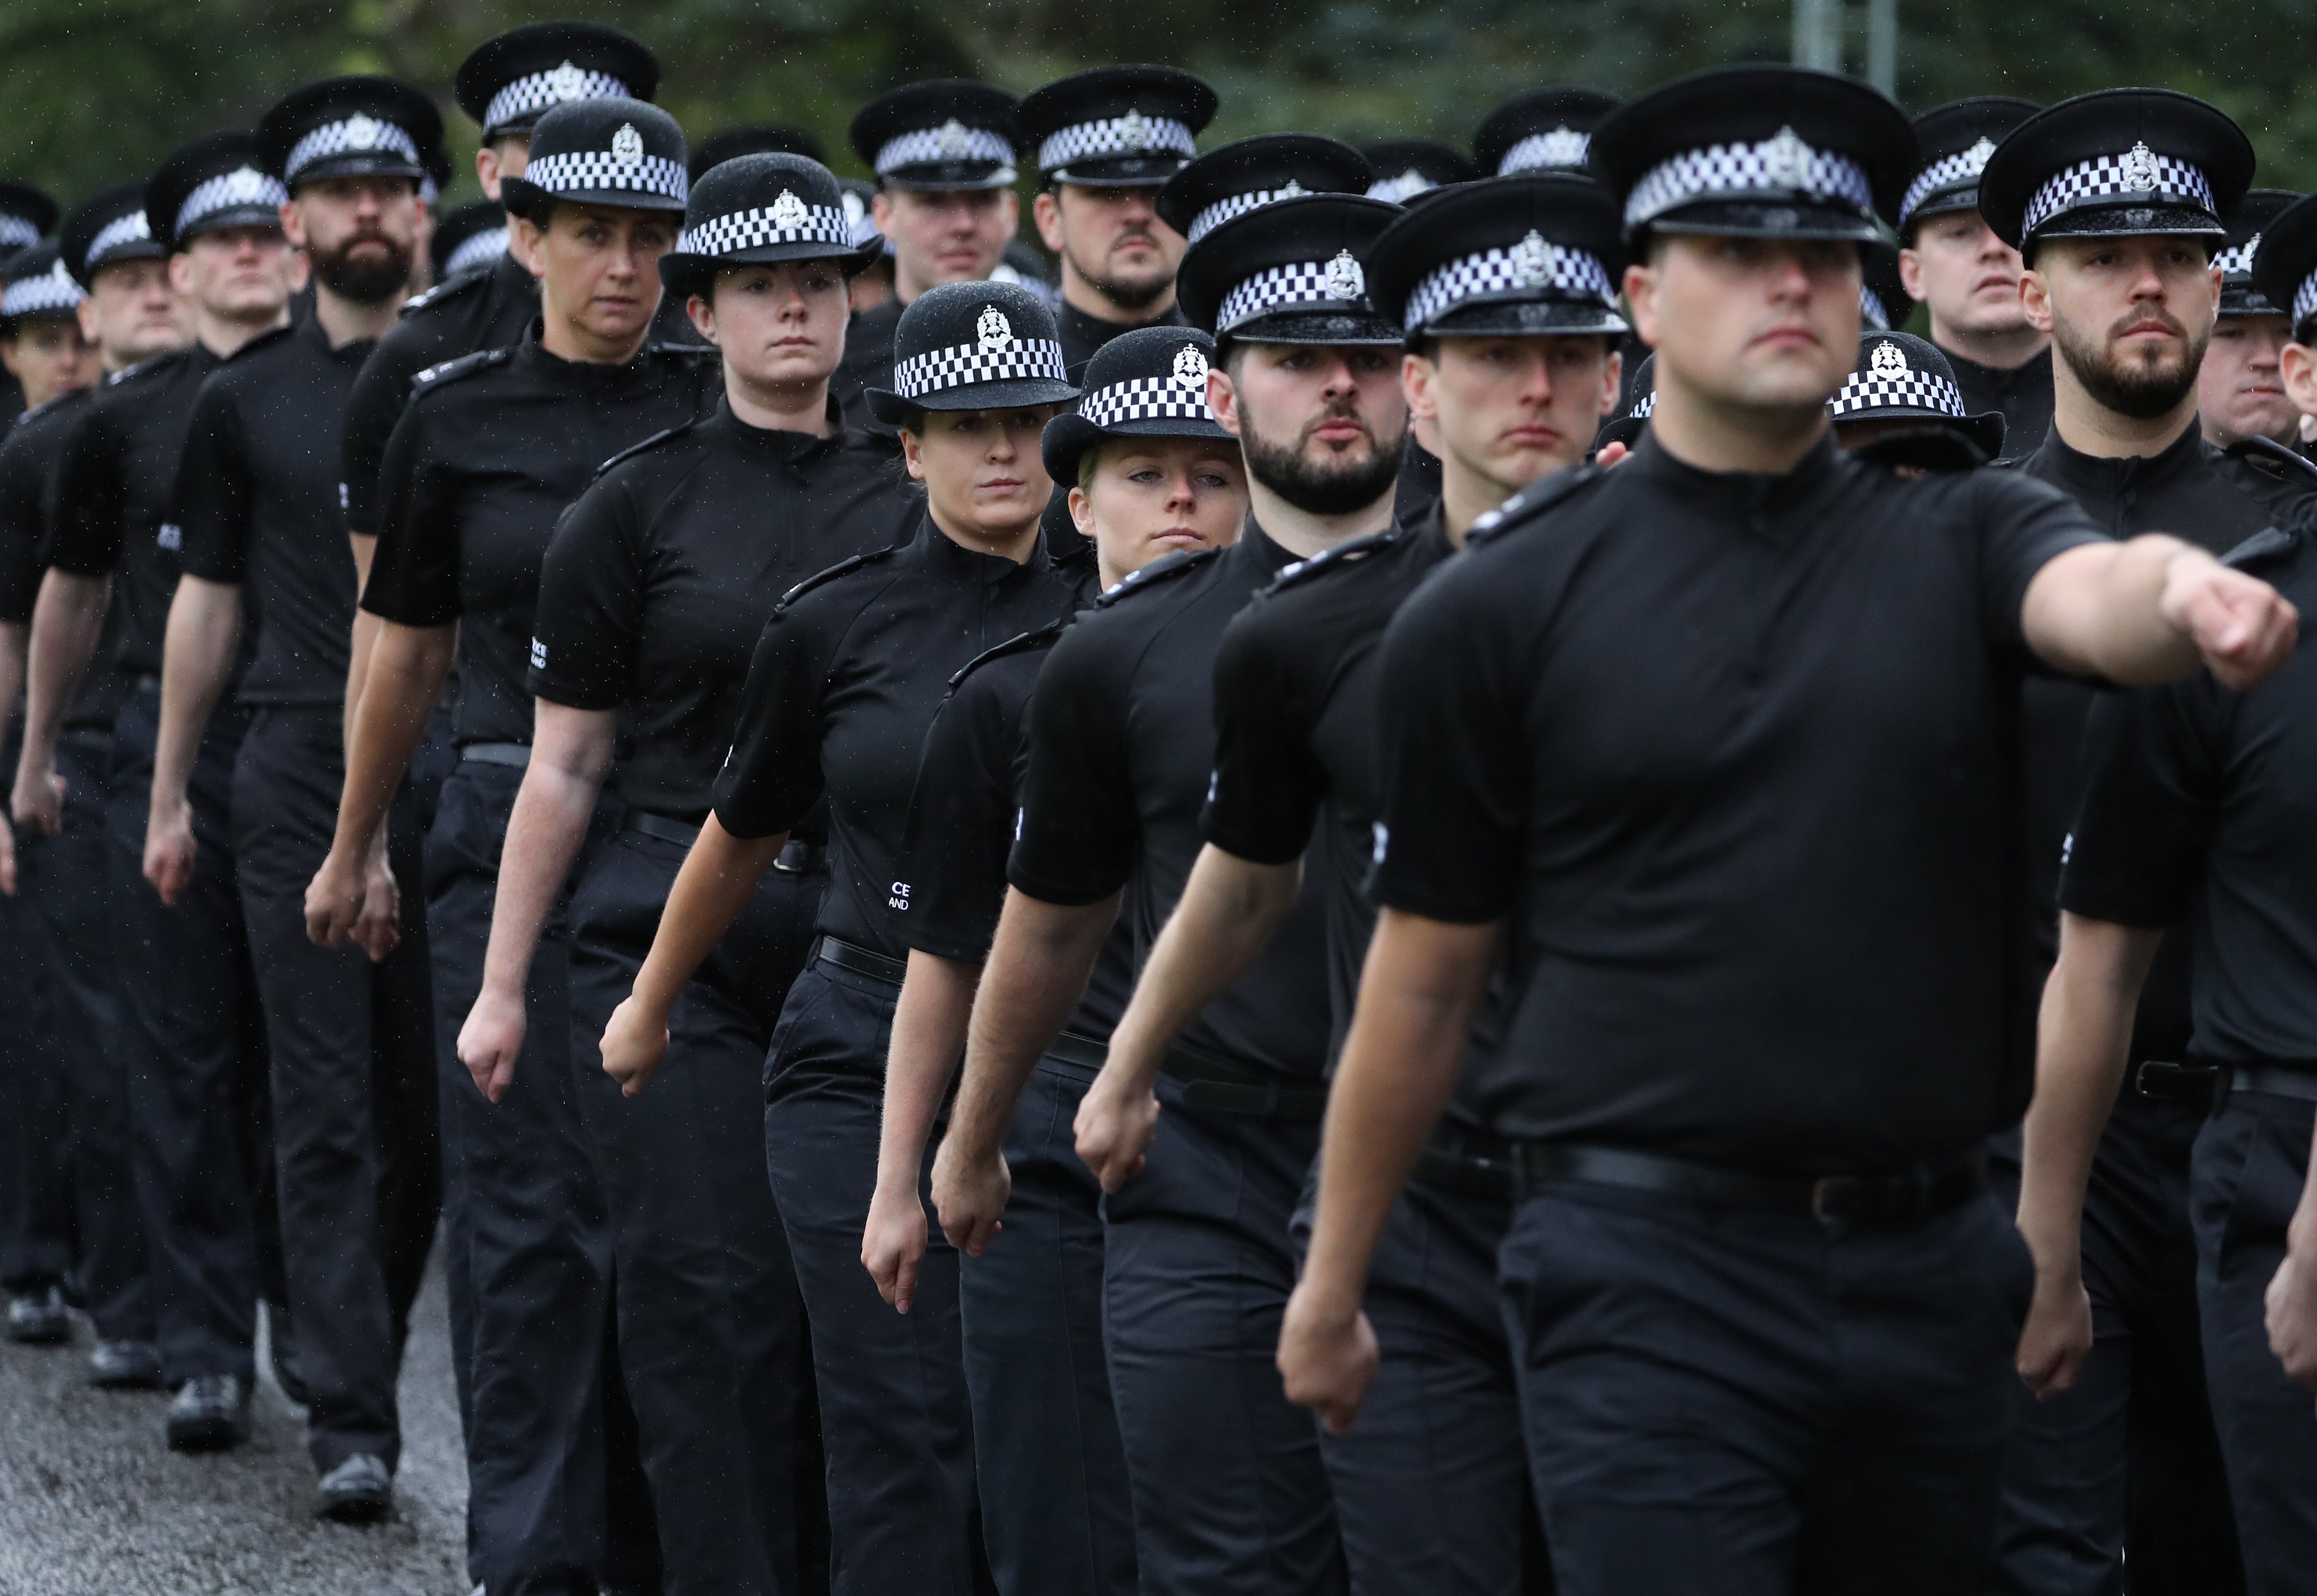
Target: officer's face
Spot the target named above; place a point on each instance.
(1968, 276)
(132, 313)
(234, 273)
(1310, 416)
(1111, 240)
(937, 237)
(598, 268)
(48, 355)
(2129, 316)
(2241, 384)
(1146, 497)
(1750, 324)
(780, 326)
(1509, 410)
(360, 234)
(984, 476)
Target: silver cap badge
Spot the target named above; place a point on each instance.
(993, 329)
(628, 146)
(1344, 280)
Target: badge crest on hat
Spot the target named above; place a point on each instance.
(993, 330)
(1563, 147)
(789, 212)
(1191, 367)
(628, 146)
(1785, 160)
(952, 138)
(1344, 280)
(567, 81)
(854, 209)
(1531, 261)
(362, 132)
(1975, 159)
(2140, 166)
(1887, 360)
(1134, 130)
(1293, 191)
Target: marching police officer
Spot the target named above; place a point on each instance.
(26, 215)
(1548, 128)
(2241, 384)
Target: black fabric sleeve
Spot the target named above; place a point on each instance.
(215, 490)
(381, 394)
(414, 571)
(961, 818)
(20, 534)
(2022, 524)
(591, 602)
(772, 778)
(84, 537)
(1079, 826)
(2154, 766)
(1268, 783)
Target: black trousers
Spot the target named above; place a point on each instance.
(2252, 1162)
(903, 1509)
(2123, 1470)
(1231, 1496)
(36, 1217)
(353, 1062)
(1056, 1511)
(711, 1332)
(192, 1039)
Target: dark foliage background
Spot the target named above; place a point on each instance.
(94, 90)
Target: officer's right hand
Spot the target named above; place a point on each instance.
(1116, 1125)
(970, 1188)
(39, 799)
(170, 848)
(893, 1245)
(334, 900)
(634, 1042)
(1326, 1358)
(2058, 1335)
(491, 1040)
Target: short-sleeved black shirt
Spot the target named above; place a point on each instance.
(115, 482)
(844, 682)
(490, 451)
(661, 576)
(2200, 804)
(258, 498)
(29, 456)
(1122, 744)
(1733, 756)
(2023, 393)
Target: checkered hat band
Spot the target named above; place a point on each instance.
(1643, 405)
(1145, 398)
(1897, 390)
(357, 134)
(2105, 177)
(1222, 211)
(1870, 307)
(541, 90)
(52, 290)
(2304, 298)
(2237, 262)
(1722, 170)
(1944, 173)
(1117, 135)
(1561, 148)
(582, 170)
(937, 371)
(1399, 191)
(481, 250)
(752, 229)
(1303, 285)
(243, 187)
(929, 146)
(133, 228)
(1571, 273)
(17, 233)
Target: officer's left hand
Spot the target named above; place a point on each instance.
(2293, 1317)
(2058, 1335)
(1116, 1125)
(378, 929)
(1325, 1359)
(893, 1244)
(2244, 628)
(334, 900)
(491, 1040)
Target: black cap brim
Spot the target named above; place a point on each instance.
(1120, 172)
(233, 216)
(1356, 330)
(2133, 221)
(2244, 300)
(684, 273)
(950, 177)
(533, 203)
(1524, 318)
(1985, 433)
(1941, 443)
(1068, 437)
(1767, 218)
(358, 165)
(1014, 394)
(1947, 203)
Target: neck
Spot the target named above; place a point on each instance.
(1083, 297)
(2005, 350)
(1466, 496)
(2089, 427)
(567, 340)
(1710, 435)
(347, 321)
(1303, 534)
(1015, 543)
(221, 335)
(779, 408)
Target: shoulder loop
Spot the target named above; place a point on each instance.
(466, 365)
(2272, 457)
(449, 289)
(1151, 574)
(843, 567)
(654, 442)
(690, 352)
(2265, 548)
(142, 369)
(1537, 496)
(1029, 642)
(1341, 555)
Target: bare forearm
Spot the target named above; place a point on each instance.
(196, 657)
(718, 877)
(12, 665)
(929, 1025)
(544, 830)
(2101, 610)
(409, 666)
(67, 620)
(365, 633)
(1227, 912)
(1036, 971)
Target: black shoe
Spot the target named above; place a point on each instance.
(39, 1319)
(358, 1491)
(210, 1413)
(125, 1366)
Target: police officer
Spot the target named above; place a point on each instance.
(1407, 167)
(2241, 385)
(1151, 475)
(2272, 279)
(26, 215)
(1900, 405)
(350, 1054)
(1548, 128)
(191, 1034)
(845, 678)
(2114, 200)
(1952, 262)
(471, 238)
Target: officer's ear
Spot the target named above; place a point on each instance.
(10, 355)
(2298, 364)
(702, 309)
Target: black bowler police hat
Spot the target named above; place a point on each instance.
(1902, 377)
(2285, 266)
(1148, 383)
(601, 152)
(26, 214)
(1527, 255)
(1543, 127)
(1641, 397)
(1883, 302)
(735, 142)
(1248, 173)
(1115, 127)
(109, 226)
(38, 284)
(1407, 167)
(2239, 296)
(1952, 143)
(512, 80)
(1756, 152)
(973, 346)
(2118, 164)
(350, 127)
(944, 134)
(757, 209)
(1292, 271)
(217, 181)
(468, 239)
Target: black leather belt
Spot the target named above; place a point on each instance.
(514, 756)
(2271, 1082)
(2167, 1081)
(1083, 1051)
(860, 961)
(1221, 1087)
(1459, 1160)
(1835, 1201)
(796, 859)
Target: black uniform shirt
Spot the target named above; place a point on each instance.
(1732, 755)
(868, 354)
(30, 457)
(659, 579)
(258, 498)
(845, 680)
(1122, 745)
(491, 450)
(2023, 393)
(114, 485)
(1083, 334)
(2201, 804)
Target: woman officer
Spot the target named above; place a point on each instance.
(845, 680)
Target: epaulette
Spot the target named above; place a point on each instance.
(466, 365)
(265, 340)
(2264, 548)
(1042, 638)
(142, 369)
(1341, 557)
(843, 567)
(2268, 456)
(1536, 496)
(654, 442)
(448, 288)
(1151, 574)
(689, 351)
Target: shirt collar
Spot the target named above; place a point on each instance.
(1732, 494)
(791, 448)
(2107, 476)
(1258, 548)
(2003, 379)
(946, 557)
(531, 356)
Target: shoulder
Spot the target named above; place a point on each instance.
(435, 379)
(1159, 574)
(836, 574)
(1344, 557)
(1028, 643)
(465, 284)
(1535, 504)
(2272, 552)
(661, 447)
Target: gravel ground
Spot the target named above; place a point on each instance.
(92, 1501)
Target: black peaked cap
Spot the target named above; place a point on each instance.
(1534, 254)
(1148, 383)
(1246, 173)
(1900, 377)
(1551, 128)
(973, 346)
(1118, 127)
(1292, 271)
(26, 214)
(1952, 143)
(2255, 213)
(2285, 266)
(2127, 161)
(512, 80)
(38, 284)
(108, 227)
(470, 237)
(350, 127)
(733, 142)
(940, 134)
(601, 152)
(1883, 302)
(1407, 167)
(220, 180)
(757, 209)
(1634, 404)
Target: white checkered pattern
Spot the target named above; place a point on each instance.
(752, 229)
(53, 291)
(1945, 173)
(1222, 211)
(133, 228)
(1776, 166)
(582, 171)
(932, 145)
(2304, 298)
(541, 90)
(1131, 135)
(1399, 191)
(1871, 310)
(1563, 147)
(231, 191)
(938, 371)
(1896, 391)
(483, 248)
(17, 233)
(2159, 177)
(1533, 265)
(2237, 262)
(1145, 398)
(1643, 405)
(1303, 285)
(356, 135)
